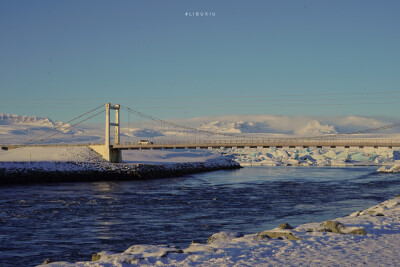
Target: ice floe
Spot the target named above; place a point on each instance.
(313, 156)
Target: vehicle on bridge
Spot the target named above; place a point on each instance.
(144, 142)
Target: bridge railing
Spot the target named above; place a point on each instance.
(274, 141)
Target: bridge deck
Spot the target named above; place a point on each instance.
(287, 143)
(265, 143)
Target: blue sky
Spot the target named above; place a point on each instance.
(323, 58)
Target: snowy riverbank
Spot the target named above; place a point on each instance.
(71, 164)
(368, 237)
(45, 172)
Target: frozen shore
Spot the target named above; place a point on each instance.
(368, 237)
(72, 164)
(48, 172)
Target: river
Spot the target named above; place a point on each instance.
(72, 221)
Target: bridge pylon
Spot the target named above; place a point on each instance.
(115, 124)
(107, 150)
(115, 155)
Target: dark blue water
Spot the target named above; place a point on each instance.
(71, 221)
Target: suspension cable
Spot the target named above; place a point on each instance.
(254, 137)
(73, 125)
(54, 129)
(179, 125)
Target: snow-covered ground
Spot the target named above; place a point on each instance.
(167, 156)
(80, 163)
(85, 154)
(370, 238)
(59, 153)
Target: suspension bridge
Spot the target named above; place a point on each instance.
(200, 138)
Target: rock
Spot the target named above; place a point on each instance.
(358, 231)
(96, 257)
(275, 234)
(262, 236)
(331, 226)
(165, 253)
(290, 236)
(132, 261)
(46, 261)
(374, 212)
(284, 226)
(355, 214)
(337, 227)
(196, 247)
(223, 236)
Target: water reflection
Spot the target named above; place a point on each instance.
(106, 229)
(104, 217)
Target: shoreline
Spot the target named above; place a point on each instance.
(369, 237)
(14, 173)
(363, 164)
(25, 172)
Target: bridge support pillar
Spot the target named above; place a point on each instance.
(110, 154)
(115, 155)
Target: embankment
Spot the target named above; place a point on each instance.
(70, 171)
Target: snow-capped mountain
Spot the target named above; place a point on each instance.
(235, 127)
(7, 119)
(316, 128)
(136, 132)
(17, 129)
(290, 125)
(13, 119)
(313, 127)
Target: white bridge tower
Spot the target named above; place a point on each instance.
(108, 151)
(115, 124)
